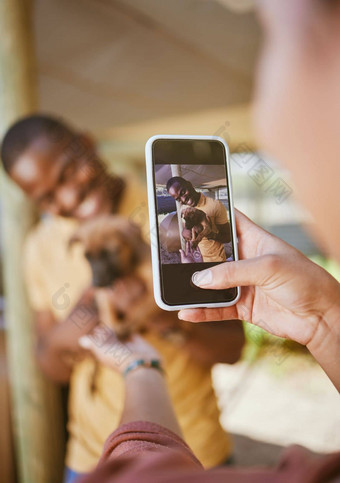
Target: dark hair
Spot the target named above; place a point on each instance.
(176, 179)
(22, 133)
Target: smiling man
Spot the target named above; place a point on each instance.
(211, 247)
(60, 170)
(46, 166)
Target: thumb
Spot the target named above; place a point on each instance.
(254, 271)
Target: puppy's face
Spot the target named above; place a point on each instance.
(110, 262)
(192, 217)
(112, 246)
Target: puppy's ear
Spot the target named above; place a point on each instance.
(134, 232)
(136, 240)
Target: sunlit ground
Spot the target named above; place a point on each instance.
(282, 404)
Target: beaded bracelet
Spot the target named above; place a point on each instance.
(154, 363)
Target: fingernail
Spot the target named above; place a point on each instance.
(202, 278)
(179, 315)
(84, 342)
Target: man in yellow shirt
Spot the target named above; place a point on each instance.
(211, 247)
(59, 169)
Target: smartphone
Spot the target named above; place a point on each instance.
(192, 224)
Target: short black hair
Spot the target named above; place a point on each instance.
(22, 133)
(176, 179)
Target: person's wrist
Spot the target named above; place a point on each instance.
(133, 357)
(142, 363)
(143, 374)
(327, 331)
(325, 344)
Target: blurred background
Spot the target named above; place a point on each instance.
(124, 70)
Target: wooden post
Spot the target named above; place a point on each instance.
(36, 402)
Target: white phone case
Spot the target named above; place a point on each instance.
(153, 223)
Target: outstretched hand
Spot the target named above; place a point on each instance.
(109, 351)
(191, 255)
(283, 292)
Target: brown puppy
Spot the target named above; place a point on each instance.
(198, 222)
(115, 250)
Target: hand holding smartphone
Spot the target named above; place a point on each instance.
(192, 223)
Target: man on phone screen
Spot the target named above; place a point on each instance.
(211, 247)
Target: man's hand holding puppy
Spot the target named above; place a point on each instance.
(191, 254)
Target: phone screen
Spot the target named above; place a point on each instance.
(194, 222)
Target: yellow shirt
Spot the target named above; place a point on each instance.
(212, 250)
(56, 277)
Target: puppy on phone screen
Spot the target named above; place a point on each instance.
(211, 245)
(196, 221)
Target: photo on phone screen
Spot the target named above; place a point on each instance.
(193, 215)
(199, 224)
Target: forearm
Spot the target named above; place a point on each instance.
(53, 366)
(216, 342)
(57, 346)
(223, 235)
(325, 345)
(147, 399)
(67, 333)
(81, 320)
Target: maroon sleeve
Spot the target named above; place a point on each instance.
(143, 452)
(140, 436)
(149, 453)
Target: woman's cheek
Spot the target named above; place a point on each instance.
(273, 107)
